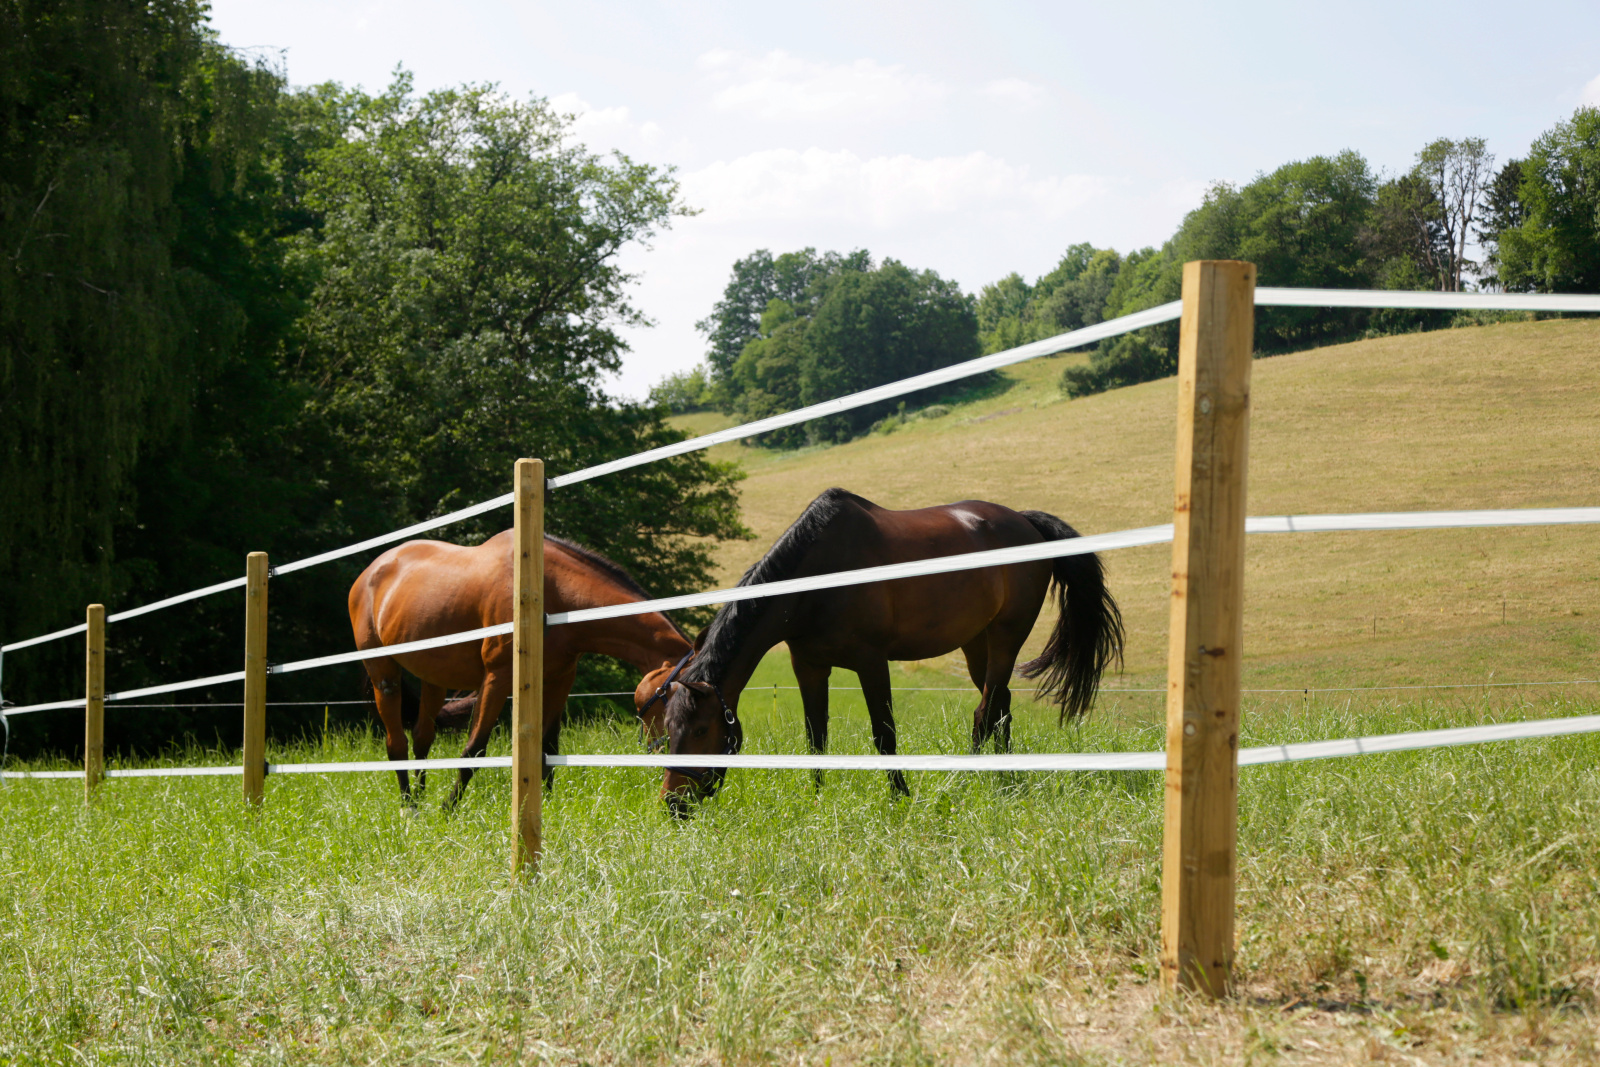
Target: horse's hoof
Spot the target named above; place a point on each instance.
(410, 811)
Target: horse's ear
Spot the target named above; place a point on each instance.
(700, 639)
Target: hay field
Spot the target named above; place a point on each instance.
(1491, 417)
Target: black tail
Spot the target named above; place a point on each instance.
(1088, 635)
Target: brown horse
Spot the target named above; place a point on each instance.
(427, 589)
(986, 613)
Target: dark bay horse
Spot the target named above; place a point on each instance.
(424, 589)
(986, 613)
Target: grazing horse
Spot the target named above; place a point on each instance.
(427, 589)
(986, 613)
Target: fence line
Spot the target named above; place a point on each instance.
(1148, 535)
(1266, 296)
(1258, 756)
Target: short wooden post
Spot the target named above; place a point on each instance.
(1203, 662)
(527, 668)
(94, 699)
(255, 676)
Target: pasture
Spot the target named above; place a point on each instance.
(1440, 905)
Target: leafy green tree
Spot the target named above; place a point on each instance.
(466, 290)
(1553, 242)
(1502, 212)
(756, 281)
(683, 391)
(139, 277)
(878, 326)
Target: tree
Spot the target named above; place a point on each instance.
(830, 324)
(133, 148)
(1503, 211)
(878, 326)
(1455, 174)
(1554, 245)
(757, 280)
(463, 310)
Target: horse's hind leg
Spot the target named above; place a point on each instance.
(385, 675)
(1004, 644)
(491, 695)
(813, 682)
(977, 653)
(880, 709)
(422, 733)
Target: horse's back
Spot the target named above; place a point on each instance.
(424, 589)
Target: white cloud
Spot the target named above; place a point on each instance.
(781, 86)
(1591, 93)
(602, 128)
(1014, 92)
(881, 192)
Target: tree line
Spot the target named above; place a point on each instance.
(1325, 222)
(237, 316)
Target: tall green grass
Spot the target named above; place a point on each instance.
(165, 922)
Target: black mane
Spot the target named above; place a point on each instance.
(613, 571)
(734, 622)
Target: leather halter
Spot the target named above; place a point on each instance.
(661, 690)
(732, 738)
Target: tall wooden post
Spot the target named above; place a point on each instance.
(1199, 848)
(94, 699)
(255, 676)
(527, 668)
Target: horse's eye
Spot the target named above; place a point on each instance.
(699, 732)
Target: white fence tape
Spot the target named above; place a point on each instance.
(1265, 296)
(1269, 296)
(1045, 761)
(1148, 535)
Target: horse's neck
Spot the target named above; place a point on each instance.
(641, 641)
(762, 637)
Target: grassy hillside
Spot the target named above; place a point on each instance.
(1491, 417)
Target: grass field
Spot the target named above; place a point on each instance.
(1441, 906)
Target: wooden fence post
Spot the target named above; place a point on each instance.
(527, 668)
(94, 699)
(255, 676)
(1203, 659)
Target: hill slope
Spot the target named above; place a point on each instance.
(1490, 417)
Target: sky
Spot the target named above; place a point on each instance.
(970, 139)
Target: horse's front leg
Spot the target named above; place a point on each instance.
(422, 733)
(880, 709)
(556, 691)
(813, 682)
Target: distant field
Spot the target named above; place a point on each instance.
(1489, 417)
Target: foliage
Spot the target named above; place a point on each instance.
(682, 392)
(1548, 235)
(1129, 360)
(830, 325)
(341, 314)
(132, 146)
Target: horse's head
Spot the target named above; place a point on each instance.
(650, 702)
(699, 722)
